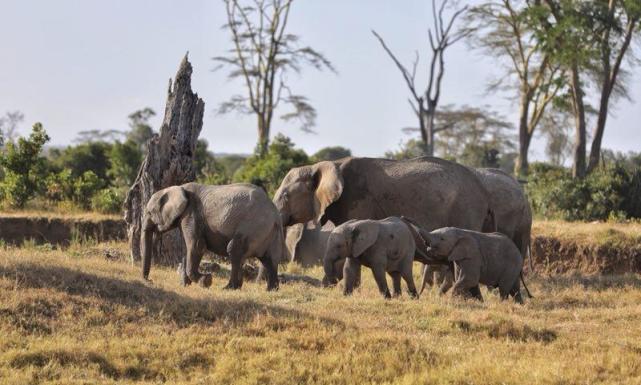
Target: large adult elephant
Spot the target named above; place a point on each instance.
(433, 192)
(306, 242)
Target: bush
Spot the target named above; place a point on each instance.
(608, 192)
(108, 201)
(269, 171)
(59, 186)
(85, 188)
(24, 168)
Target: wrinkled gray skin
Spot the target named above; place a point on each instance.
(432, 191)
(306, 242)
(491, 259)
(513, 217)
(382, 245)
(237, 221)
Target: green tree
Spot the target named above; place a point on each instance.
(331, 153)
(124, 159)
(262, 55)
(412, 148)
(269, 170)
(92, 156)
(140, 130)
(502, 30)
(204, 161)
(24, 168)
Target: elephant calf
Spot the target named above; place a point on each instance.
(236, 220)
(491, 259)
(385, 245)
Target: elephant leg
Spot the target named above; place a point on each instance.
(194, 254)
(357, 278)
(184, 277)
(448, 279)
(236, 250)
(350, 269)
(270, 271)
(396, 282)
(381, 281)
(409, 279)
(467, 280)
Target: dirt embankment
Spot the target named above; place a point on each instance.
(587, 248)
(16, 230)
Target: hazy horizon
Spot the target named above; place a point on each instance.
(83, 65)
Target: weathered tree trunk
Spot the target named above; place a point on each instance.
(521, 167)
(169, 162)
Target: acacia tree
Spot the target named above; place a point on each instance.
(262, 55)
(622, 19)
(424, 103)
(501, 28)
(582, 37)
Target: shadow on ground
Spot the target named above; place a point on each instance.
(152, 300)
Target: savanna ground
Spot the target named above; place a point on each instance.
(74, 316)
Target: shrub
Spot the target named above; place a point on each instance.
(59, 186)
(269, 171)
(608, 192)
(108, 201)
(85, 187)
(24, 168)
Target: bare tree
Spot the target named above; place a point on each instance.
(424, 103)
(501, 29)
(262, 55)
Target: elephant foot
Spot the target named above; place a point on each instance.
(232, 286)
(326, 282)
(205, 281)
(272, 287)
(387, 295)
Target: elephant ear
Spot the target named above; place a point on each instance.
(364, 234)
(328, 187)
(171, 203)
(465, 248)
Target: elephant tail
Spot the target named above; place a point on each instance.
(489, 223)
(525, 286)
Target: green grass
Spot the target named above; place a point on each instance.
(70, 317)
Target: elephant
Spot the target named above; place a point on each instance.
(385, 245)
(237, 221)
(491, 259)
(513, 218)
(306, 242)
(435, 192)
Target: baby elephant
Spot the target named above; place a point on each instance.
(488, 258)
(384, 246)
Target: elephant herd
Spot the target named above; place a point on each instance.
(471, 225)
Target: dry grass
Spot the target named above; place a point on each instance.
(58, 213)
(74, 317)
(597, 233)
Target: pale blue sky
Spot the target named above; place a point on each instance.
(86, 64)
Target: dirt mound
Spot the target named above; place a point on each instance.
(562, 256)
(59, 231)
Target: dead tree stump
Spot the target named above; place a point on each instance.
(169, 162)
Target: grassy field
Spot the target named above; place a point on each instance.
(75, 317)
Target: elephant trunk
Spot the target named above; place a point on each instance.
(330, 275)
(146, 244)
(425, 278)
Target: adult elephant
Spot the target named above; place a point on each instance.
(306, 242)
(433, 192)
